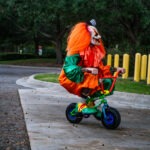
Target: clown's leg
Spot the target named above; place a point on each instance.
(86, 107)
(85, 110)
(107, 83)
(85, 92)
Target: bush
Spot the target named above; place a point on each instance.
(15, 56)
(48, 52)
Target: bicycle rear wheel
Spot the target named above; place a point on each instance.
(113, 118)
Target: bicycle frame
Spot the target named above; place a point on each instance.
(101, 99)
(109, 116)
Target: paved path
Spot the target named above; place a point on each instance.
(44, 110)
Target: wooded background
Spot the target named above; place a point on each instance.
(123, 24)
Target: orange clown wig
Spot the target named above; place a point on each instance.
(81, 53)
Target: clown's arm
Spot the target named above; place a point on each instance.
(90, 70)
(72, 70)
(108, 71)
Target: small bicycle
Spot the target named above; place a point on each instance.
(109, 116)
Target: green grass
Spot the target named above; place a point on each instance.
(47, 77)
(128, 85)
(32, 62)
(122, 85)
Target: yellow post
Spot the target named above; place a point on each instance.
(137, 67)
(143, 67)
(126, 66)
(116, 60)
(148, 72)
(109, 59)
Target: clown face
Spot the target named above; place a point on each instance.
(95, 36)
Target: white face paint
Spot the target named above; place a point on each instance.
(95, 36)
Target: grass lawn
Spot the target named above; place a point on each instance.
(44, 62)
(128, 85)
(47, 77)
(122, 85)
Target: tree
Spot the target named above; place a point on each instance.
(132, 19)
(55, 24)
(43, 19)
(35, 20)
(48, 21)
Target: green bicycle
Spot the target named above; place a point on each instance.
(109, 116)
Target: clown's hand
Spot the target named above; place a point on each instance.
(121, 70)
(90, 70)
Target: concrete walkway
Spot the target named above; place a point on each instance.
(44, 107)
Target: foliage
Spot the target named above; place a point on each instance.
(47, 62)
(47, 23)
(27, 53)
(15, 56)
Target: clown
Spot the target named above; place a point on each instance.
(83, 66)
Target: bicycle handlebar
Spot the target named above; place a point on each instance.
(116, 74)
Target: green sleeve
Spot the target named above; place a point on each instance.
(71, 68)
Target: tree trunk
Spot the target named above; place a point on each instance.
(59, 58)
(36, 44)
(131, 30)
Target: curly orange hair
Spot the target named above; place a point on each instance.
(78, 39)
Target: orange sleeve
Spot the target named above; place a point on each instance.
(104, 71)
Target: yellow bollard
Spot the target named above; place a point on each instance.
(148, 72)
(126, 66)
(116, 60)
(143, 67)
(137, 67)
(109, 59)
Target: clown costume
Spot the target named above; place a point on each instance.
(83, 66)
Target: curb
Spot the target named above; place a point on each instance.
(120, 99)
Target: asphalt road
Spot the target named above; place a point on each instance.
(132, 134)
(13, 134)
